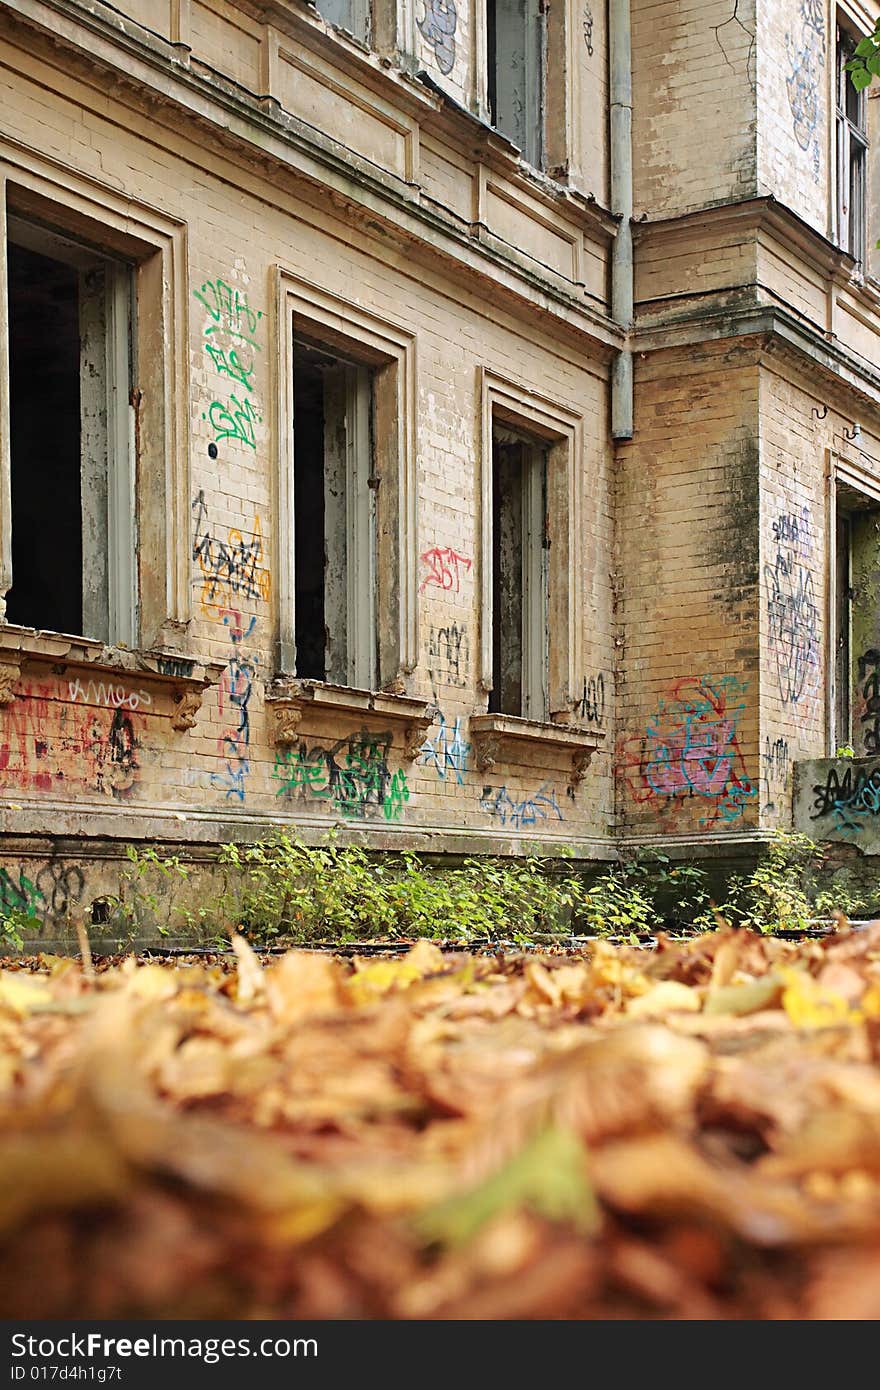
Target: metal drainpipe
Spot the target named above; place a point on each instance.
(620, 62)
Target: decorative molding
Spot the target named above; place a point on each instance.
(186, 678)
(291, 699)
(490, 733)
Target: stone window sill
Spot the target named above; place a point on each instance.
(187, 678)
(291, 698)
(490, 733)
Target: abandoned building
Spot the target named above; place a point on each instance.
(455, 421)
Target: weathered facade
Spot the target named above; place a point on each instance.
(452, 420)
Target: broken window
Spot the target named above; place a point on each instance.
(851, 153)
(335, 518)
(351, 15)
(71, 437)
(516, 49)
(520, 575)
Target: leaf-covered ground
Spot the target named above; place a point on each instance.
(690, 1132)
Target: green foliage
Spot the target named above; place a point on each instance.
(790, 887)
(284, 890)
(865, 65)
(14, 922)
(846, 751)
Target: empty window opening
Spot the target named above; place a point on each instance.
(843, 596)
(335, 518)
(851, 153)
(516, 50)
(71, 438)
(351, 15)
(520, 575)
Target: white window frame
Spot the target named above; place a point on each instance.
(36, 188)
(537, 416)
(850, 223)
(390, 610)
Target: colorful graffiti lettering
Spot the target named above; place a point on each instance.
(850, 800)
(690, 749)
(529, 810)
(438, 29)
(236, 686)
(231, 569)
(23, 896)
(447, 751)
(352, 775)
(48, 744)
(444, 568)
(230, 342)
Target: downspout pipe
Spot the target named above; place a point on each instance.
(620, 99)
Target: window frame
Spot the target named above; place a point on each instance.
(354, 333)
(850, 208)
(35, 188)
(536, 86)
(563, 430)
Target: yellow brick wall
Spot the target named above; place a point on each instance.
(693, 104)
(687, 565)
(225, 772)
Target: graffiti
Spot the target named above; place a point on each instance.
(232, 569)
(49, 744)
(114, 697)
(792, 611)
(437, 27)
(60, 886)
(447, 751)
(229, 311)
(850, 800)
(795, 532)
(448, 656)
(774, 769)
(588, 29)
(806, 55)
(870, 717)
(592, 702)
(175, 666)
(236, 686)
(690, 749)
(444, 568)
(235, 420)
(531, 810)
(352, 775)
(231, 319)
(22, 896)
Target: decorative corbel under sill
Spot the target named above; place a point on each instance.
(186, 678)
(290, 698)
(489, 733)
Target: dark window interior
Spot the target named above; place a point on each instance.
(308, 485)
(506, 696)
(44, 353)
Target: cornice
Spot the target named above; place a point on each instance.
(165, 75)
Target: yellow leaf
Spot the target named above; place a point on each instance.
(666, 997)
(811, 1005)
(302, 984)
(425, 957)
(746, 998)
(251, 981)
(371, 981)
(20, 993)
